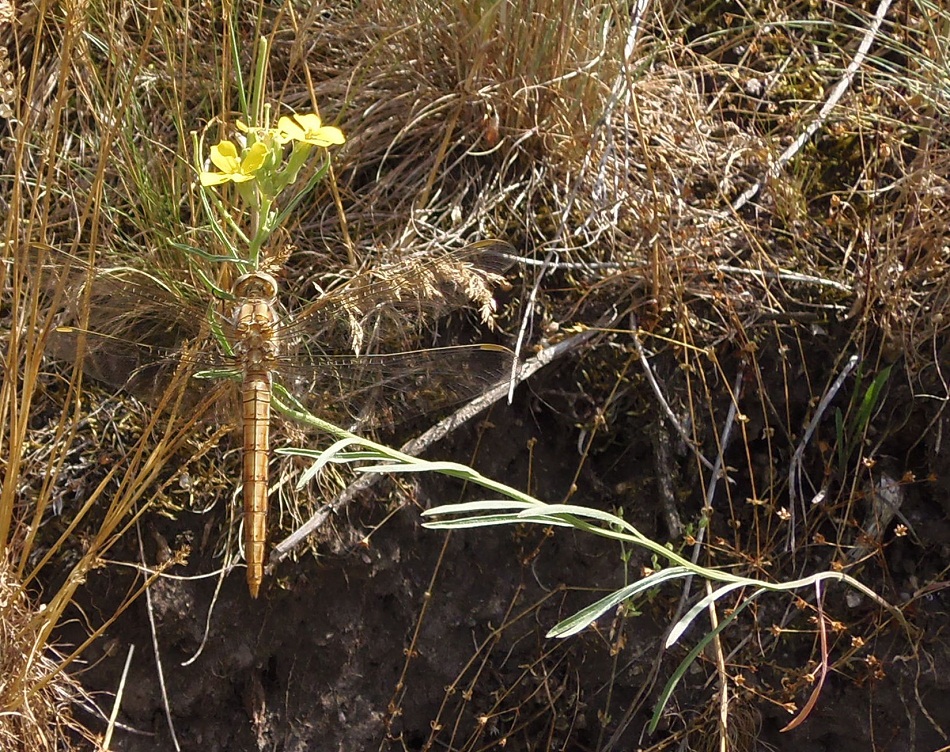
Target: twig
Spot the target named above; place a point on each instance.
(422, 442)
(620, 88)
(795, 466)
(783, 275)
(659, 395)
(662, 462)
(718, 472)
(526, 319)
(836, 93)
(655, 667)
(565, 265)
(223, 572)
(721, 672)
(786, 276)
(118, 699)
(155, 649)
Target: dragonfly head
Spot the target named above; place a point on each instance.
(255, 285)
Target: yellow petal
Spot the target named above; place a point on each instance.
(309, 122)
(254, 158)
(289, 129)
(326, 136)
(224, 157)
(214, 178)
(308, 128)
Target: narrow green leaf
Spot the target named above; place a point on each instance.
(690, 657)
(486, 520)
(683, 624)
(587, 512)
(325, 457)
(477, 506)
(871, 396)
(586, 616)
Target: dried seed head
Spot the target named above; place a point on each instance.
(7, 76)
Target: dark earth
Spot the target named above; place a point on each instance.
(421, 639)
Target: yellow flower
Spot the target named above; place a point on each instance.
(224, 156)
(310, 130)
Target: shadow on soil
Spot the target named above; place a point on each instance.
(425, 641)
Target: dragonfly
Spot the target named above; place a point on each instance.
(252, 339)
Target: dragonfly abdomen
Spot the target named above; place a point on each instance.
(256, 324)
(255, 398)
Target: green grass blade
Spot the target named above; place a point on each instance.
(683, 624)
(478, 506)
(482, 520)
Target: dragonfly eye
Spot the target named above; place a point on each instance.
(255, 285)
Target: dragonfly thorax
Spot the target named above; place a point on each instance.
(255, 286)
(256, 321)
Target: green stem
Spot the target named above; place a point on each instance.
(262, 230)
(257, 92)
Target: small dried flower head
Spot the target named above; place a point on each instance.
(7, 79)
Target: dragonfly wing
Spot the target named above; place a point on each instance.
(390, 310)
(381, 391)
(129, 327)
(129, 330)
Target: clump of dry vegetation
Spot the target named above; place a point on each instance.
(748, 203)
(38, 698)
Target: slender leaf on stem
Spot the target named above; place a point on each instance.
(587, 616)
(691, 656)
(595, 514)
(481, 520)
(476, 506)
(325, 457)
(683, 624)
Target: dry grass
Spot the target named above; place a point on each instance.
(37, 698)
(66, 499)
(613, 150)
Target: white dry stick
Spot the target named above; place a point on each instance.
(719, 471)
(795, 466)
(158, 654)
(504, 387)
(785, 276)
(602, 128)
(118, 699)
(836, 93)
(724, 440)
(648, 371)
(225, 570)
(422, 442)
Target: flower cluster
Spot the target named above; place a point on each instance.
(305, 131)
(260, 170)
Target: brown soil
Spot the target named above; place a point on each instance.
(422, 640)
